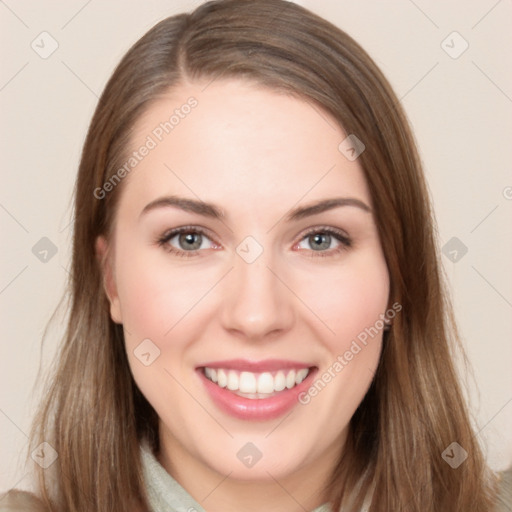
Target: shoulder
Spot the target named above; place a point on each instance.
(18, 501)
(504, 501)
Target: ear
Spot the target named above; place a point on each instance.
(105, 257)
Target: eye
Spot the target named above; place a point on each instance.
(186, 241)
(324, 241)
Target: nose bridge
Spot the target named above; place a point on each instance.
(257, 302)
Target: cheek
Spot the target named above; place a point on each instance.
(351, 305)
(156, 295)
(157, 301)
(350, 298)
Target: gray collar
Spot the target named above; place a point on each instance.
(165, 494)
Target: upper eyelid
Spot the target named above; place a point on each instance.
(329, 229)
(170, 233)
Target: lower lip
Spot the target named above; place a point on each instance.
(257, 409)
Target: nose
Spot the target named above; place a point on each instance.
(257, 305)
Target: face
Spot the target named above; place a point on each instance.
(245, 266)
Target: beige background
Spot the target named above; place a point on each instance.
(460, 109)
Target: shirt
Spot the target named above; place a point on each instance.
(167, 495)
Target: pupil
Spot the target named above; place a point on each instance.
(321, 241)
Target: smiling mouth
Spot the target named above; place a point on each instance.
(256, 385)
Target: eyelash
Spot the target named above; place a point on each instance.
(344, 240)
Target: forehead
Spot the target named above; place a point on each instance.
(238, 141)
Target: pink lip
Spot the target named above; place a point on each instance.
(262, 409)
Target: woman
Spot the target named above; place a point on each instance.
(258, 320)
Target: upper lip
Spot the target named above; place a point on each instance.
(266, 365)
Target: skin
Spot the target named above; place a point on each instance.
(256, 153)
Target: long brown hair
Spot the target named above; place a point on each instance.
(94, 415)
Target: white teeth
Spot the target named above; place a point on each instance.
(256, 384)
(279, 381)
(265, 383)
(290, 379)
(247, 382)
(232, 381)
(222, 378)
(301, 375)
(211, 373)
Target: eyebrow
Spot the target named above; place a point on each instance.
(324, 205)
(214, 212)
(188, 205)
